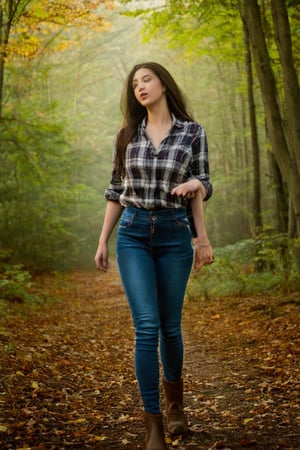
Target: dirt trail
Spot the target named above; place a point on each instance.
(67, 379)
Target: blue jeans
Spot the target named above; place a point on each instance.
(155, 257)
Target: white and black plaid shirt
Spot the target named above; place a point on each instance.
(151, 175)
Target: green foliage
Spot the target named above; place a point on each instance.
(44, 197)
(197, 27)
(49, 191)
(18, 286)
(272, 251)
(249, 267)
(15, 281)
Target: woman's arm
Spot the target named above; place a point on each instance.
(200, 163)
(112, 215)
(195, 192)
(203, 250)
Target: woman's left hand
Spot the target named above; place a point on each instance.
(188, 189)
(203, 254)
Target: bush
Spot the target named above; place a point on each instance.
(252, 266)
(15, 281)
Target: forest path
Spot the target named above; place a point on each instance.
(67, 378)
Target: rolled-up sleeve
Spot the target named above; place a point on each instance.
(200, 164)
(115, 187)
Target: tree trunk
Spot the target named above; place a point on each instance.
(254, 137)
(280, 195)
(2, 58)
(283, 155)
(291, 84)
(9, 11)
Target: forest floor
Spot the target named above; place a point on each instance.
(67, 378)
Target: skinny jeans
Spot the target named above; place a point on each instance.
(155, 257)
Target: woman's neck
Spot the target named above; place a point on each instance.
(159, 117)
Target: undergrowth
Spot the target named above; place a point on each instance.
(16, 284)
(265, 264)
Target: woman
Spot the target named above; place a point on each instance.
(160, 170)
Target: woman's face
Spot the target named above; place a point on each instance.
(147, 87)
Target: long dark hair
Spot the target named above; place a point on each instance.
(134, 112)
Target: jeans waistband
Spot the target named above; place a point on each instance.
(158, 212)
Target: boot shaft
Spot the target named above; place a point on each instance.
(155, 437)
(176, 420)
(173, 392)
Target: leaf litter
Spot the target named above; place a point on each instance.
(67, 377)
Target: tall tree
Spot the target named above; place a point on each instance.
(254, 134)
(291, 83)
(282, 139)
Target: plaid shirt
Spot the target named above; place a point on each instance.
(151, 175)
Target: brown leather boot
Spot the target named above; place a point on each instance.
(155, 437)
(176, 420)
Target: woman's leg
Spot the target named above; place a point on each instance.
(172, 275)
(138, 276)
(173, 270)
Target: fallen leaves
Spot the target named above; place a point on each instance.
(248, 371)
(68, 372)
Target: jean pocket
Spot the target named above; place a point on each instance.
(182, 222)
(182, 226)
(127, 220)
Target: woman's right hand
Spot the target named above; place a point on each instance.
(101, 257)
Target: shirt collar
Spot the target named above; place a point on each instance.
(176, 122)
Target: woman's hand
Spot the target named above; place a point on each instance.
(188, 189)
(203, 254)
(113, 212)
(101, 257)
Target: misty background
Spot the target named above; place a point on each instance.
(66, 109)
